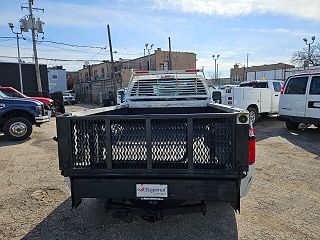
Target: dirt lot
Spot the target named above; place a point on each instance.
(284, 202)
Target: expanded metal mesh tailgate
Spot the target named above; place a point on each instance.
(153, 143)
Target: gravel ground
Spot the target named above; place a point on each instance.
(284, 201)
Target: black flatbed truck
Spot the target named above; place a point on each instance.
(167, 150)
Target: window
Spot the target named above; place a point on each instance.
(102, 72)
(255, 84)
(166, 66)
(315, 86)
(297, 85)
(277, 86)
(2, 95)
(95, 73)
(11, 93)
(54, 76)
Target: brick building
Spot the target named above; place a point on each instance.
(160, 60)
(71, 78)
(267, 71)
(94, 81)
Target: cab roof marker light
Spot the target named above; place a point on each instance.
(141, 72)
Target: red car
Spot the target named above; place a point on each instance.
(12, 92)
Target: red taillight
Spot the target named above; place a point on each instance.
(141, 72)
(282, 89)
(229, 98)
(252, 147)
(229, 103)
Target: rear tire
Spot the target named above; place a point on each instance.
(17, 128)
(292, 125)
(253, 115)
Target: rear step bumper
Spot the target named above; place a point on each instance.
(227, 190)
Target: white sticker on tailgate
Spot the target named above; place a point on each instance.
(151, 190)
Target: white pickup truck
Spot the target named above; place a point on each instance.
(258, 97)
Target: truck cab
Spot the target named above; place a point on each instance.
(300, 100)
(258, 97)
(17, 115)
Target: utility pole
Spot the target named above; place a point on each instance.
(34, 44)
(34, 25)
(19, 59)
(170, 63)
(247, 60)
(113, 82)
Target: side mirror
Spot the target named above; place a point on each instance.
(216, 96)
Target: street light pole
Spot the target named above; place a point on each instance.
(149, 49)
(215, 65)
(309, 48)
(19, 59)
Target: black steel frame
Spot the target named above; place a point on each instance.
(96, 183)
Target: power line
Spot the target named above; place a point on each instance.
(50, 50)
(8, 37)
(61, 60)
(66, 49)
(9, 46)
(72, 45)
(60, 43)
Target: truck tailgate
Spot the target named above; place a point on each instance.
(180, 142)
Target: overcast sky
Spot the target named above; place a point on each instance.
(269, 30)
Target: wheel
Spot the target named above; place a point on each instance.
(66, 103)
(253, 115)
(17, 128)
(292, 125)
(73, 103)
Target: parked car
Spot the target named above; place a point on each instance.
(17, 115)
(47, 102)
(72, 92)
(258, 97)
(167, 150)
(300, 100)
(69, 99)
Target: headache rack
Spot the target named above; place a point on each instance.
(167, 85)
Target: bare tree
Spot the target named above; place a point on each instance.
(300, 57)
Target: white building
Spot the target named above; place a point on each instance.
(57, 78)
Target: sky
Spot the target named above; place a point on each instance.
(269, 30)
